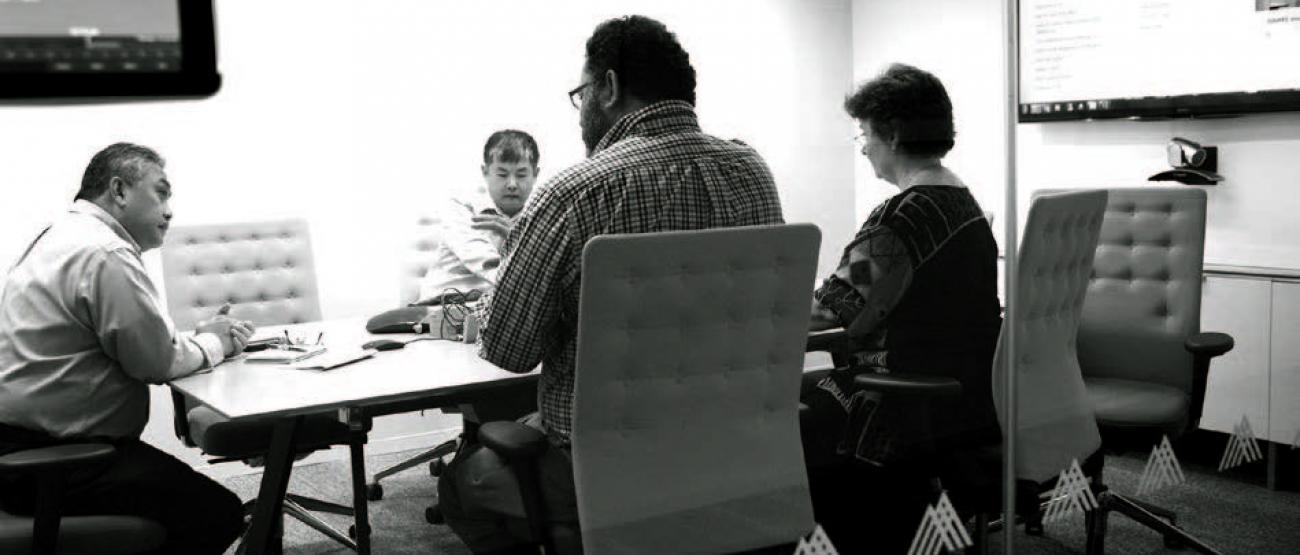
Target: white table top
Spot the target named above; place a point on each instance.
(239, 389)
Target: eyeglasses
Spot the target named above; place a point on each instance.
(575, 95)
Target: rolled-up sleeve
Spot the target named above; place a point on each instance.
(132, 328)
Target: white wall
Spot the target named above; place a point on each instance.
(1252, 214)
(356, 116)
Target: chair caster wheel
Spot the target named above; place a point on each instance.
(374, 492)
(434, 516)
(436, 468)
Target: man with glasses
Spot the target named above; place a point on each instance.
(82, 334)
(649, 169)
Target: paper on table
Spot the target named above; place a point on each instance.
(334, 359)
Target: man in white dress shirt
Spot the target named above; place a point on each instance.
(475, 225)
(83, 333)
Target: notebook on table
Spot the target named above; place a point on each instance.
(285, 355)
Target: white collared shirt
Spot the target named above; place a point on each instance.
(467, 258)
(82, 332)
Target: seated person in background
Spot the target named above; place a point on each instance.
(82, 333)
(649, 168)
(474, 227)
(916, 291)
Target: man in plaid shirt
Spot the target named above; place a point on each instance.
(649, 169)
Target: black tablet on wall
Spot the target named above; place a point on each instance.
(107, 49)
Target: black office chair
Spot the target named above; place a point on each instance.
(1144, 359)
(207, 266)
(249, 440)
(48, 532)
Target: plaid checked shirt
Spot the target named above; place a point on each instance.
(653, 171)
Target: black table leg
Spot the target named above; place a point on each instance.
(360, 501)
(275, 482)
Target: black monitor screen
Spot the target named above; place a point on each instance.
(106, 48)
(1082, 59)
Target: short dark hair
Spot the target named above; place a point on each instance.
(650, 63)
(910, 104)
(123, 160)
(510, 146)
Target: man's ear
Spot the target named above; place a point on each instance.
(484, 168)
(615, 93)
(117, 191)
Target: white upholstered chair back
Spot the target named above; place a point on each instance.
(1054, 421)
(264, 270)
(421, 254)
(1144, 300)
(690, 356)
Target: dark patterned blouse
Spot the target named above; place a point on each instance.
(916, 290)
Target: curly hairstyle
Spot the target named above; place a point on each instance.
(123, 160)
(650, 63)
(910, 104)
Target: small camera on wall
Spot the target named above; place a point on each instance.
(1192, 163)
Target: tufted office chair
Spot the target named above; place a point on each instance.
(48, 532)
(1144, 360)
(265, 271)
(422, 254)
(685, 418)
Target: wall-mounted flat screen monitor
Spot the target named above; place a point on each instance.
(1083, 59)
(93, 49)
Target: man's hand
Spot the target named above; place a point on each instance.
(496, 226)
(233, 333)
(822, 318)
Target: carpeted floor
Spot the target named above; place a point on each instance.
(1232, 511)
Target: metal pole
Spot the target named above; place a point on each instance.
(1010, 30)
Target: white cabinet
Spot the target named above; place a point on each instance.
(1284, 400)
(1239, 380)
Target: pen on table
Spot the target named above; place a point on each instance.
(320, 336)
(287, 341)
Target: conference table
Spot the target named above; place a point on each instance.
(423, 374)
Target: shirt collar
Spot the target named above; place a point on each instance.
(930, 176)
(667, 116)
(83, 206)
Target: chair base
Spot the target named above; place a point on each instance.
(375, 492)
(1156, 518)
(301, 508)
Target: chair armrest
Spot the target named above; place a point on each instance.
(1209, 344)
(513, 441)
(58, 457)
(1203, 346)
(831, 341)
(913, 385)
